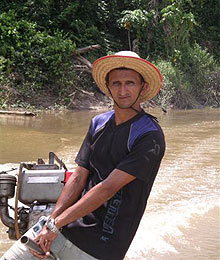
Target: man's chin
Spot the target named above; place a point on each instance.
(123, 106)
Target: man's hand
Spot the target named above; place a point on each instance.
(44, 240)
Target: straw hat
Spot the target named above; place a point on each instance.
(128, 59)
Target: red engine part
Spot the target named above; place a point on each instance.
(67, 175)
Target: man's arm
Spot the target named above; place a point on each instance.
(94, 198)
(71, 190)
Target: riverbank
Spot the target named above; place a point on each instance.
(78, 100)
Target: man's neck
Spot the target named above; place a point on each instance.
(124, 114)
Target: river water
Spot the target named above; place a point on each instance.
(182, 219)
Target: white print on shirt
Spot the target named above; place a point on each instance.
(112, 212)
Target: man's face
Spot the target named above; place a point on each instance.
(125, 86)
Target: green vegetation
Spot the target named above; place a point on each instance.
(39, 40)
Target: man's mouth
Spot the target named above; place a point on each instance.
(123, 97)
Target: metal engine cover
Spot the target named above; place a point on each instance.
(41, 186)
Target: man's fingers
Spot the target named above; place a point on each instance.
(43, 243)
(48, 245)
(37, 255)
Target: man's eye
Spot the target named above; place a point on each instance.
(115, 84)
(130, 83)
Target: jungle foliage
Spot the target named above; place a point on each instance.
(39, 37)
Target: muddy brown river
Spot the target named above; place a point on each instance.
(182, 219)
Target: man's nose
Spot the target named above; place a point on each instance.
(122, 89)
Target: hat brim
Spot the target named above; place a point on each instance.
(102, 66)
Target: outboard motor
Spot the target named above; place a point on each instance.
(38, 188)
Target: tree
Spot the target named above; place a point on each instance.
(135, 20)
(177, 25)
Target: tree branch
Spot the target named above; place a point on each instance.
(87, 63)
(86, 49)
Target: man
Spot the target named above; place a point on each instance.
(101, 205)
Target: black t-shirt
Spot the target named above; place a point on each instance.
(136, 147)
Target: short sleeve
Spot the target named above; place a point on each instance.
(82, 158)
(144, 159)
